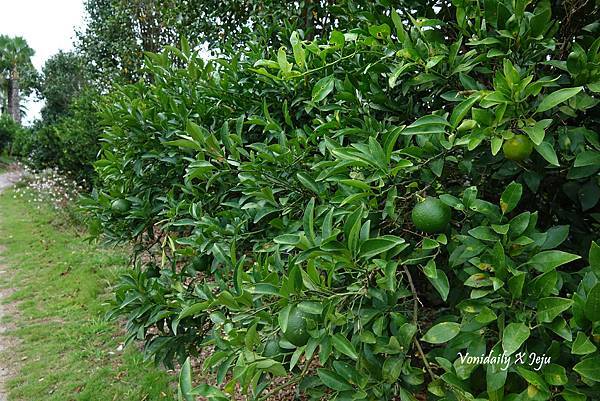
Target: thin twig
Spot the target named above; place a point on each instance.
(416, 303)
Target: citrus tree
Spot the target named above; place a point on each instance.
(355, 215)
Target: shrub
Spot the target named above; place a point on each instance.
(69, 144)
(263, 191)
(8, 130)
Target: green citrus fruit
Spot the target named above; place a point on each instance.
(518, 148)
(296, 328)
(120, 205)
(432, 215)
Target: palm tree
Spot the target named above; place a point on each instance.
(15, 54)
(3, 74)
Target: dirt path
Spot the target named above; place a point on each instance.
(6, 180)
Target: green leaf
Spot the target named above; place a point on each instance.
(510, 197)
(573, 395)
(308, 182)
(405, 395)
(582, 345)
(287, 239)
(514, 335)
(537, 132)
(323, 88)
(308, 221)
(311, 307)
(184, 143)
(398, 71)
(555, 236)
(392, 368)
(592, 304)
(375, 246)
(452, 201)
(587, 158)
(342, 344)
(264, 289)
(431, 124)
(548, 260)
(209, 392)
(184, 392)
(555, 375)
(442, 332)
(589, 195)
(461, 110)
(333, 380)
(400, 32)
(298, 50)
(496, 144)
(193, 309)
(548, 153)
(284, 65)
(589, 368)
(283, 317)
(594, 87)
(347, 371)
(544, 284)
(356, 184)
(594, 258)
(440, 283)
(515, 284)
(195, 131)
(430, 269)
(557, 97)
(549, 308)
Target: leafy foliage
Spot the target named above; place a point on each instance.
(63, 80)
(9, 129)
(272, 191)
(68, 142)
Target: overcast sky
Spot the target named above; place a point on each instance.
(47, 25)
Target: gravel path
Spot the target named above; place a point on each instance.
(6, 180)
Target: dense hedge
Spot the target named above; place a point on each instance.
(271, 196)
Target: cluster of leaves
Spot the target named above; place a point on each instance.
(269, 201)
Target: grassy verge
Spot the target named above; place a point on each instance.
(66, 350)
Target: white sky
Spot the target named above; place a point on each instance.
(47, 25)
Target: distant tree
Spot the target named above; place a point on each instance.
(63, 79)
(15, 62)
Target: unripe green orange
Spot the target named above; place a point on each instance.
(296, 328)
(518, 148)
(120, 206)
(432, 215)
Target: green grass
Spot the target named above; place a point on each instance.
(66, 350)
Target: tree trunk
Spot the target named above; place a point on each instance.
(14, 101)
